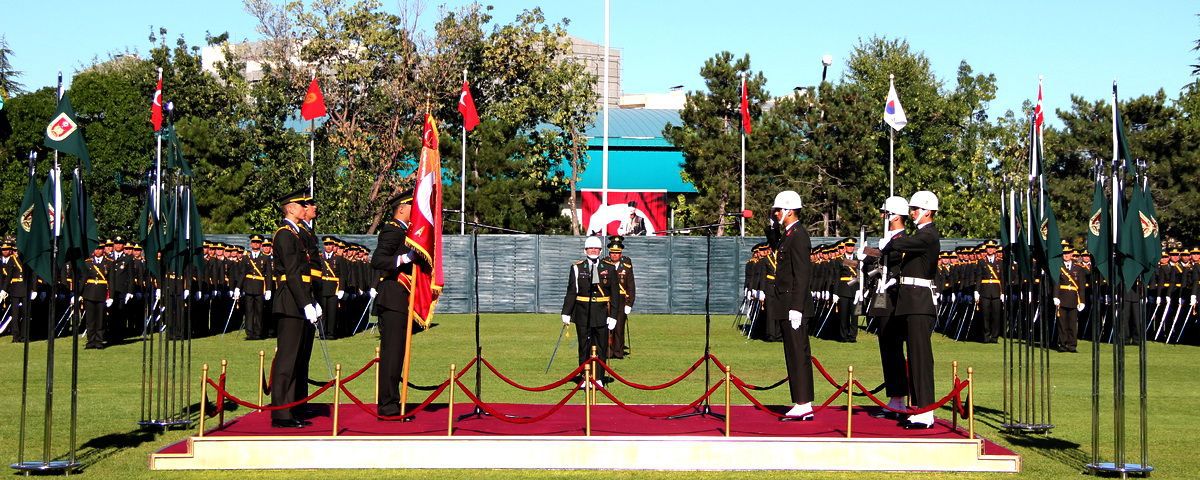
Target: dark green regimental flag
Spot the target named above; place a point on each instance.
(194, 236)
(33, 232)
(64, 134)
(1139, 245)
(1021, 252)
(1050, 242)
(1099, 233)
(79, 235)
(175, 151)
(150, 234)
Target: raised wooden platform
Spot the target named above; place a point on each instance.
(619, 440)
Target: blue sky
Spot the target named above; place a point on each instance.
(1080, 47)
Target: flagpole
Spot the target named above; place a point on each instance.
(462, 196)
(604, 139)
(891, 149)
(312, 142)
(158, 160)
(49, 413)
(742, 221)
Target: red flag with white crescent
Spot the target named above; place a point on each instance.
(1039, 117)
(466, 106)
(156, 106)
(745, 108)
(425, 229)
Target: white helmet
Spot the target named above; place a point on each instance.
(924, 199)
(896, 206)
(592, 242)
(788, 200)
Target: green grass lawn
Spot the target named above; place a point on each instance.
(112, 446)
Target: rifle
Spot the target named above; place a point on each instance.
(1173, 322)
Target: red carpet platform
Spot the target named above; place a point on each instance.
(757, 441)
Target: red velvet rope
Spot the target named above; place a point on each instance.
(660, 386)
(671, 413)
(374, 412)
(505, 418)
(741, 386)
(542, 388)
(928, 408)
(222, 393)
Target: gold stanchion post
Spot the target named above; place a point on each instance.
(220, 400)
(262, 372)
(595, 374)
(971, 402)
(337, 395)
(376, 374)
(727, 412)
(849, 400)
(203, 397)
(954, 384)
(450, 404)
(587, 402)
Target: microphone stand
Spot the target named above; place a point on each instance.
(477, 412)
(704, 409)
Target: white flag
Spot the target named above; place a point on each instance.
(893, 113)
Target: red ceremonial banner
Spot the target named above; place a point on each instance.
(425, 230)
(617, 218)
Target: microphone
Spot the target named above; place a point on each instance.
(742, 214)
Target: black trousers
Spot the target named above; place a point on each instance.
(392, 329)
(616, 337)
(989, 311)
(1068, 328)
(584, 315)
(253, 307)
(892, 333)
(847, 325)
(917, 330)
(18, 312)
(93, 320)
(289, 380)
(329, 306)
(797, 356)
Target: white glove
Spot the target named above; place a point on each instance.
(403, 259)
(628, 309)
(976, 296)
(761, 296)
(1079, 307)
(1001, 297)
(1181, 300)
(836, 298)
(373, 292)
(794, 317)
(340, 294)
(612, 323)
(1057, 302)
(566, 319)
(319, 311)
(860, 255)
(128, 297)
(3, 295)
(310, 312)
(32, 295)
(936, 297)
(858, 297)
(1193, 299)
(185, 294)
(237, 293)
(1157, 300)
(749, 294)
(108, 302)
(157, 293)
(888, 284)
(267, 295)
(215, 292)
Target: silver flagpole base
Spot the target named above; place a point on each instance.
(1026, 427)
(166, 424)
(57, 466)
(1110, 468)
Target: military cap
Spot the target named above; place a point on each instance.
(6, 245)
(403, 198)
(135, 246)
(990, 243)
(256, 238)
(616, 243)
(329, 241)
(268, 243)
(299, 196)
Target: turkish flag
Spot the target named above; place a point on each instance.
(314, 102)
(156, 107)
(425, 232)
(745, 108)
(466, 106)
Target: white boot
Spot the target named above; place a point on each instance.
(921, 420)
(801, 410)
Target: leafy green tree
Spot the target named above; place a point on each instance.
(9, 86)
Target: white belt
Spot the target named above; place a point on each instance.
(916, 282)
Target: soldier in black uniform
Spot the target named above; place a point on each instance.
(1069, 300)
(788, 300)
(329, 287)
(295, 310)
(915, 307)
(989, 296)
(96, 298)
(626, 288)
(255, 285)
(14, 291)
(845, 281)
(592, 300)
(891, 333)
(268, 252)
(120, 282)
(393, 261)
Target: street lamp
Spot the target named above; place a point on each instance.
(826, 61)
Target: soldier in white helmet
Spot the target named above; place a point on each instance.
(789, 300)
(915, 309)
(592, 300)
(891, 334)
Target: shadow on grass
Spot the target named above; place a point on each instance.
(100, 448)
(1065, 452)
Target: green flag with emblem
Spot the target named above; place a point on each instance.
(65, 135)
(33, 232)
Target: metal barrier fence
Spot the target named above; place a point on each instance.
(528, 273)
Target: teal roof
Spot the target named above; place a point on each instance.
(643, 126)
(636, 169)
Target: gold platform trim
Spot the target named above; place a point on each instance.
(554, 452)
